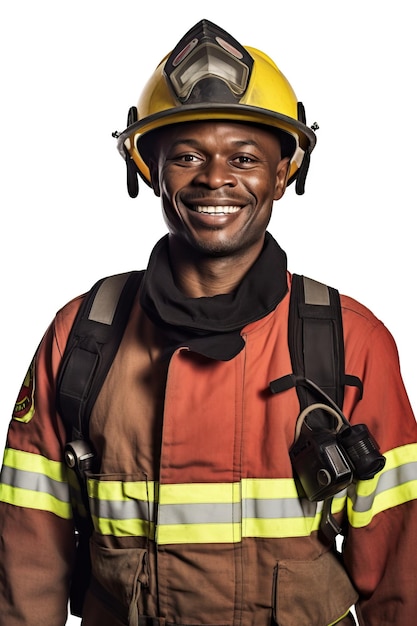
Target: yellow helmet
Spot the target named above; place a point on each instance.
(210, 76)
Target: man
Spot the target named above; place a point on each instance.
(198, 517)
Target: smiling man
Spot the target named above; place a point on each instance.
(206, 480)
(217, 184)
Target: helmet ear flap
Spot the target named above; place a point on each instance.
(305, 164)
(131, 167)
(131, 175)
(302, 174)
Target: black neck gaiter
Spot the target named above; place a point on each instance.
(211, 325)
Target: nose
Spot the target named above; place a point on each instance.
(215, 173)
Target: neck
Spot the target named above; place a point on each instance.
(199, 275)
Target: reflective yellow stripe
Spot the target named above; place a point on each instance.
(290, 527)
(35, 500)
(32, 481)
(27, 461)
(124, 527)
(114, 490)
(198, 533)
(393, 486)
(200, 493)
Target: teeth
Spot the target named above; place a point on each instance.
(212, 210)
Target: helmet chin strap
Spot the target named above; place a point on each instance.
(305, 163)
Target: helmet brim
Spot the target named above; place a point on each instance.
(305, 138)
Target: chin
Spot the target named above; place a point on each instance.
(215, 248)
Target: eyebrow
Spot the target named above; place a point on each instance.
(196, 143)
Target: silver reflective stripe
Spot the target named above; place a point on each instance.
(280, 508)
(33, 481)
(315, 293)
(225, 513)
(107, 297)
(199, 513)
(122, 510)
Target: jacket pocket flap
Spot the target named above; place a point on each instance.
(302, 592)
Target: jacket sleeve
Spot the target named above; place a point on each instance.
(380, 547)
(36, 527)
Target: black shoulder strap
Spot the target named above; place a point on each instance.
(91, 347)
(316, 344)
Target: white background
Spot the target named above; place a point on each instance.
(71, 70)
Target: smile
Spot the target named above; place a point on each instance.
(217, 210)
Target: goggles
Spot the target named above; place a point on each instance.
(207, 53)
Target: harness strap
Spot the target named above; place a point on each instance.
(315, 340)
(92, 344)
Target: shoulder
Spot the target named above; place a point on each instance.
(64, 320)
(353, 312)
(365, 334)
(363, 331)
(358, 313)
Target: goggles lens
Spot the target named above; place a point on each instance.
(209, 61)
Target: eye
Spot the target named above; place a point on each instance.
(244, 160)
(189, 158)
(185, 157)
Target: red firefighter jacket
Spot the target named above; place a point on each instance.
(196, 515)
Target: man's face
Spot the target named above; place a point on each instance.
(217, 182)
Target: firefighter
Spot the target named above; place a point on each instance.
(196, 513)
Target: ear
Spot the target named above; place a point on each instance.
(153, 169)
(283, 170)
